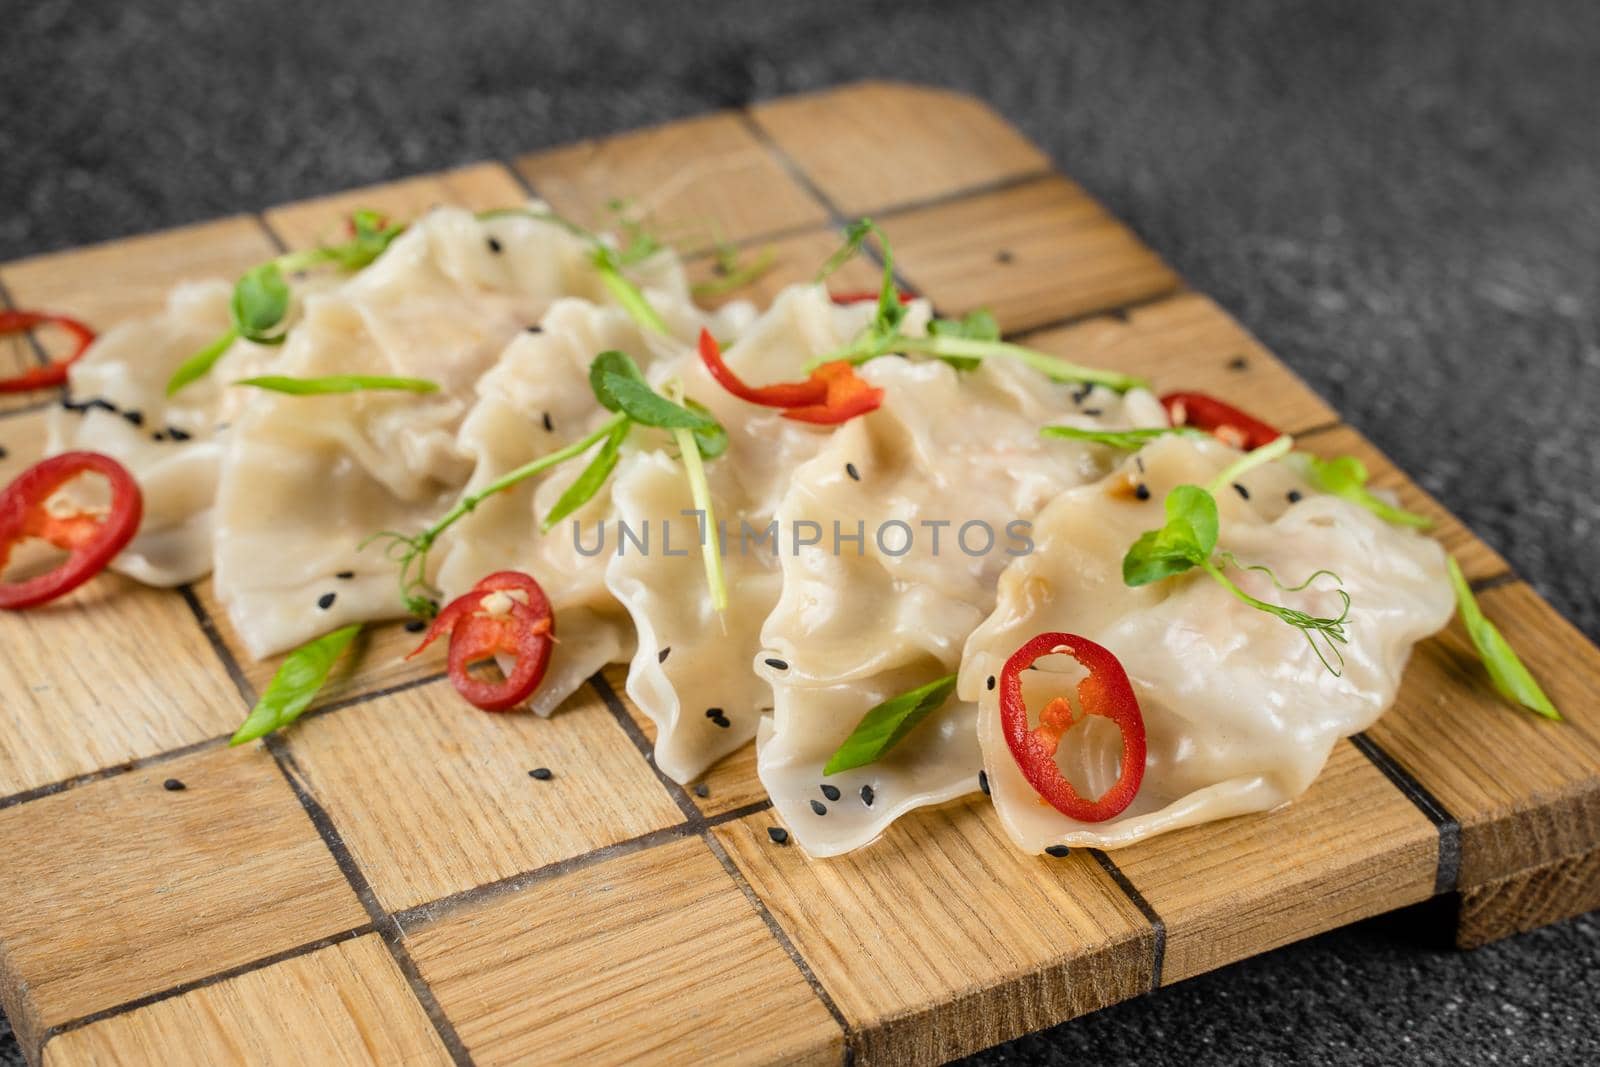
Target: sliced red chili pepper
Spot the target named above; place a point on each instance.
(90, 539)
(833, 394)
(50, 374)
(525, 630)
(1223, 421)
(1106, 691)
(863, 295)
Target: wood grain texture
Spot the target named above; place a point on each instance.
(795, 260)
(433, 796)
(1187, 343)
(347, 1003)
(698, 181)
(478, 188)
(655, 957)
(1529, 900)
(1033, 254)
(1349, 848)
(121, 888)
(1526, 790)
(941, 938)
(839, 139)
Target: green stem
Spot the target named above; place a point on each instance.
(1052, 367)
(632, 300)
(199, 365)
(700, 490)
(1250, 461)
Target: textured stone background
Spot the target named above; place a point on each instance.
(1401, 199)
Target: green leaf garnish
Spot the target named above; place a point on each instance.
(1346, 477)
(644, 405)
(295, 684)
(712, 441)
(587, 484)
(339, 383)
(1130, 440)
(609, 363)
(887, 724)
(1506, 670)
(260, 302)
(199, 365)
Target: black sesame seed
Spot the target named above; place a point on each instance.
(494, 246)
(1294, 496)
(1003, 256)
(105, 405)
(990, 683)
(325, 601)
(159, 435)
(536, 328)
(777, 664)
(135, 417)
(867, 795)
(549, 427)
(345, 575)
(3, 452)
(722, 721)
(713, 713)
(1142, 491)
(831, 792)
(779, 835)
(415, 626)
(819, 807)
(661, 657)
(1058, 851)
(850, 469)
(983, 782)
(177, 434)
(1238, 363)
(1241, 490)
(702, 790)
(172, 785)
(1081, 395)
(543, 774)
(1138, 461)
(1093, 411)
(69, 404)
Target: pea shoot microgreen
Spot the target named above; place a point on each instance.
(962, 342)
(1346, 476)
(1128, 440)
(620, 387)
(733, 271)
(1189, 541)
(295, 684)
(887, 724)
(1506, 670)
(339, 383)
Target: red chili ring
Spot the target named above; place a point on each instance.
(526, 631)
(90, 539)
(51, 374)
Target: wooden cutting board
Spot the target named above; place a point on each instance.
(386, 882)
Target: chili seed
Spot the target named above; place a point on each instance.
(1058, 851)
(172, 785)
(850, 469)
(867, 795)
(549, 427)
(819, 807)
(702, 790)
(779, 835)
(983, 782)
(777, 664)
(325, 601)
(494, 246)
(1142, 491)
(1238, 363)
(661, 657)
(345, 575)
(543, 774)
(1241, 490)
(831, 792)
(1294, 496)
(415, 626)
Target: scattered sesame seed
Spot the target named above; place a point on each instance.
(345, 575)
(325, 601)
(536, 328)
(494, 245)
(1003, 256)
(850, 469)
(69, 404)
(105, 405)
(713, 713)
(415, 626)
(177, 434)
(3, 452)
(172, 785)
(549, 427)
(779, 835)
(1142, 491)
(1058, 851)
(702, 790)
(718, 716)
(135, 417)
(661, 657)
(159, 435)
(1238, 363)
(777, 664)
(1138, 461)
(543, 774)
(983, 782)
(1079, 396)
(1294, 496)
(819, 807)
(1241, 490)
(867, 795)
(830, 791)
(990, 682)
(1093, 411)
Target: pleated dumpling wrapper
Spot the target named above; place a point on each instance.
(1240, 712)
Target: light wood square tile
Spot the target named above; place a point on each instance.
(654, 957)
(308, 223)
(345, 1004)
(120, 888)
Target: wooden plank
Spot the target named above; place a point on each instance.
(446, 803)
(942, 938)
(1227, 891)
(1033, 254)
(699, 181)
(1478, 561)
(121, 888)
(1187, 343)
(878, 145)
(1529, 900)
(1525, 790)
(347, 1003)
(795, 260)
(311, 222)
(654, 957)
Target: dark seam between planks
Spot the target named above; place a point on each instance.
(1448, 876)
(735, 814)
(1121, 312)
(208, 626)
(114, 771)
(1158, 926)
(988, 188)
(1494, 581)
(613, 703)
(201, 983)
(39, 353)
(383, 923)
(356, 699)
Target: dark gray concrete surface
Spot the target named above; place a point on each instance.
(1401, 198)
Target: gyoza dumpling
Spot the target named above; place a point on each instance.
(853, 629)
(691, 672)
(1240, 713)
